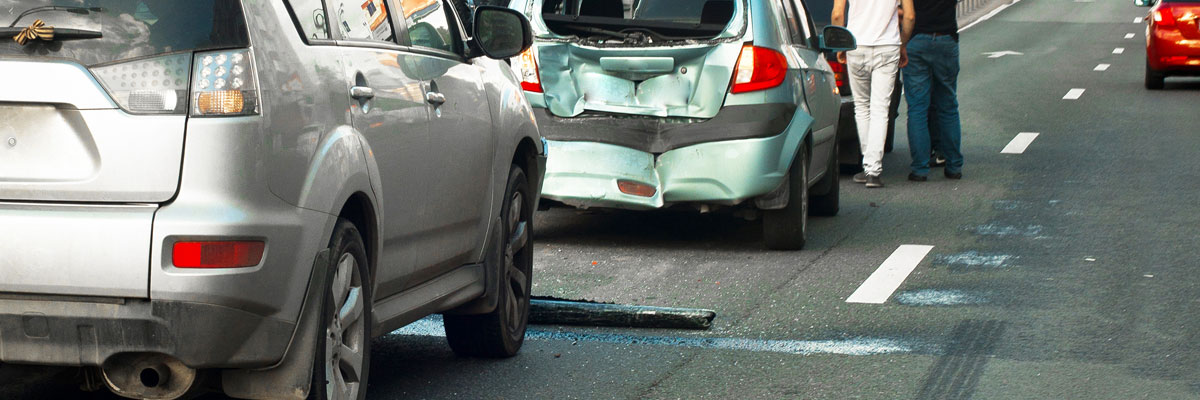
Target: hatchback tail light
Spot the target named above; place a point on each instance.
(758, 68)
(1163, 17)
(237, 254)
(527, 69)
(225, 84)
(839, 73)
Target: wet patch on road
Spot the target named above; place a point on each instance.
(955, 375)
(1030, 231)
(973, 260)
(939, 297)
(860, 346)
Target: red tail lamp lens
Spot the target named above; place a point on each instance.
(217, 254)
(636, 188)
(839, 72)
(1163, 17)
(758, 68)
(527, 70)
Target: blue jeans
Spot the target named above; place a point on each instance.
(931, 81)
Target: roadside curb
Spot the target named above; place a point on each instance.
(970, 11)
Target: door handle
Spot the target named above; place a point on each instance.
(362, 92)
(435, 98)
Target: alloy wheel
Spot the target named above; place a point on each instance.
(345, 339)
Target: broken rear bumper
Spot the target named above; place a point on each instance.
(662, 134)
(585, 174)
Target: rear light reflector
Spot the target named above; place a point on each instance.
(758, 68)
(636, 188)
(527, 69)
(231, 254)
(1163, 17)
(224, 84)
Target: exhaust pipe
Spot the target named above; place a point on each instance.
(148, 376)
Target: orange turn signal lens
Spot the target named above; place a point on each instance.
(220, 102)
(636, 188)
(217, 254)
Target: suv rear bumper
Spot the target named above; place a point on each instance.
(54, 330)
(662, 134)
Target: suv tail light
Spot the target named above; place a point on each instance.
(527, 70)
(1163, 17)
(758, 68)
(155, 85)
(225, 84)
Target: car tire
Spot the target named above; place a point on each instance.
(823, 199)
(1154, 79)
(500, 333)
(343, 359)
(786, 228)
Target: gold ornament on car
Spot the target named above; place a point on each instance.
(37, 31)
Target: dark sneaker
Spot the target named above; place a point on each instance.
(873, 181)
(917, 178)
(953, 175)
(860, 177)
(936, 160)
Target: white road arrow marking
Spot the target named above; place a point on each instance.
(998, 54)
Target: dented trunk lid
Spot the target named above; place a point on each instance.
(670, 71)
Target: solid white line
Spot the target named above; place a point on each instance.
(1129, 36)
(986, 17)
(888, 277)
(1101, 67)
(1119, 50)
(1073, 94)
(1019, 143)
(1137, 20)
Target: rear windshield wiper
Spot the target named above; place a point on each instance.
(70, 9)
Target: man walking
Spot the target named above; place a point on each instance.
(881, 35)
(930, 86)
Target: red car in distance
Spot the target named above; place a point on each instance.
(1172, 40)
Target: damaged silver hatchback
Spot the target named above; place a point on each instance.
(712, 103)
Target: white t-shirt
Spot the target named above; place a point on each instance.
(874, 22)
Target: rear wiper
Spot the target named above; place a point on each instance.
(59, 33)
(595, 30)
(70, 9)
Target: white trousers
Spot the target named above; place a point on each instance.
(872, 77)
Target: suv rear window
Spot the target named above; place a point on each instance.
(129, 29)
(638, 20)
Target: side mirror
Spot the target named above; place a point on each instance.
(835, 38)
(1143, 3)
(500, 33)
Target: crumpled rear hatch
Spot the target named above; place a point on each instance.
(662, 58)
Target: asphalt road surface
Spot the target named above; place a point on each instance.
(1067, 271)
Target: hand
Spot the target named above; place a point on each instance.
(903, 56)
(841, 57)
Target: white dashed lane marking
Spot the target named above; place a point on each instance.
(1129, 36)
(1101, 67)
(1137, 20)
(1019, 143)
(888, 277)
(1119, 50)
(1074, 94)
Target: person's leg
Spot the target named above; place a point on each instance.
(885, 61)
(860, 89)
(916, 92)
(945, 97)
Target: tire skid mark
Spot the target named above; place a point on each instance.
(955, 375)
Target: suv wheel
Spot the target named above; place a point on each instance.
(344, 348)
(501, 332)
(786, 228)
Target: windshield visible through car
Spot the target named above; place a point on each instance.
(125, 29)
(638, 21)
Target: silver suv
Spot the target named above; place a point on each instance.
(250, 191)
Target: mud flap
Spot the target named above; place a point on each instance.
(491, 269)
(291, 378)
